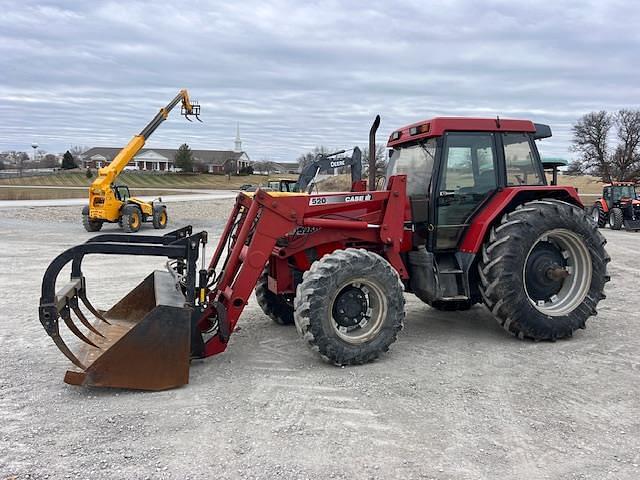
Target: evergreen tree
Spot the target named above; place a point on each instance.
(184, 158)
(68, 161)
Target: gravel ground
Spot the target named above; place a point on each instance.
(455, 398)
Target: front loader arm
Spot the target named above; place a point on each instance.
(258, 222)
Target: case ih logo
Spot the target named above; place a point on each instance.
(313, 201)
(358, 198)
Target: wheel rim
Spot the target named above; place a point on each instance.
(135, 220)
(358, 310)
(612, 220)
(595, 214)
(163, 217)
(557, 272)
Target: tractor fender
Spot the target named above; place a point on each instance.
(603, 204)
(506, 200)
(146, 207)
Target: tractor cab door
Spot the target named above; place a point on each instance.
(468, 175)
(608, 197)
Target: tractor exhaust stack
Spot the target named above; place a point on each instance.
(372, 153)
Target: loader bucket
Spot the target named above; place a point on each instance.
(145, 340)
(146, 343)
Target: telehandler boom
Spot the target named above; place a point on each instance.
(464, 216)
(112, 203)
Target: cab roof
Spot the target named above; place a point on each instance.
(435, 127)
(619, 184)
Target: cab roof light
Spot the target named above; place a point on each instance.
(419, 129)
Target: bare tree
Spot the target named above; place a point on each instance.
(21, 159)
(50, 161)
(381, 160)
(307, 158)
(590, 140)
(625, 160)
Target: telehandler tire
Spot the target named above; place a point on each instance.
(160, 217)
(349, 306)
(616, 218)
(273, 305)
(131, 218)
(90, 225)
(543, 270)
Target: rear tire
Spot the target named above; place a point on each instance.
(598, 215)
(543, 270)
(273, 305)
(349, 306)
(90, 225)
(616, 218)
(131, 218)
(160, 217)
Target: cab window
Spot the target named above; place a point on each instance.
(521, 165)
(416, 162)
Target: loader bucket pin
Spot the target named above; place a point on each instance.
(145, 340)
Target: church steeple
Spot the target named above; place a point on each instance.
(238, 142)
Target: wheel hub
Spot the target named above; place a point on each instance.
(545, 271)
(350, 307)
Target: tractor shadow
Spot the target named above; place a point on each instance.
(425, 323)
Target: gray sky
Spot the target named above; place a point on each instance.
(298, 74)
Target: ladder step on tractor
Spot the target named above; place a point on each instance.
(463, 216)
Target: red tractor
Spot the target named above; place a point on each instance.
(464, 216)
(619, 207)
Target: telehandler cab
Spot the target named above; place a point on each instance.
(464, 216)
(113, 203)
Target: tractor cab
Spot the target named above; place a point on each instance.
(283, 185)
(619, 192)
(454, 166)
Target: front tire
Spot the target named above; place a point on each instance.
(275, 306)
(160, 217)
(616, 218)
(90, 225)
(598, 215)
(349, 306)
(543, 270)
(131, 218)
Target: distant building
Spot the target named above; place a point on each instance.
(163, 159)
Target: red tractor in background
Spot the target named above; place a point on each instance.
(619, 207)
(464, 216)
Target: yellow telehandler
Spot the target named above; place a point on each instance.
(113, 203)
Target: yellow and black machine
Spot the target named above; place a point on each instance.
(113, 203)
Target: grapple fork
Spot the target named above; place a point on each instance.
(143, 342)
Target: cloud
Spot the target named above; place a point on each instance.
(297, 74)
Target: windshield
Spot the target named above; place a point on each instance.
(624, 191)
(416, 162)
